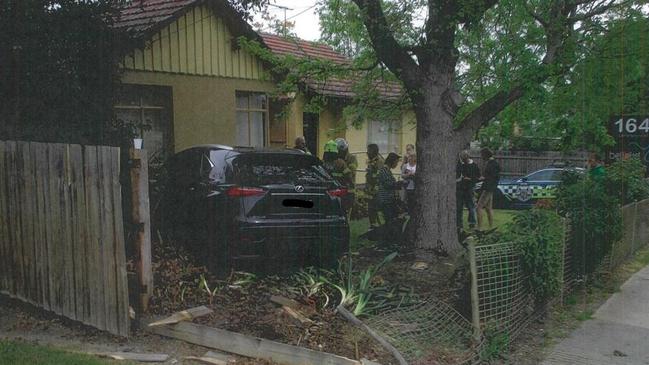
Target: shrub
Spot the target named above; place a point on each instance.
(625, 179)
(595, 219)
(538, 234)
(359, 209)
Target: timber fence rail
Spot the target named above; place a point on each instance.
(519, 163)
(61, 231)
(505, 304)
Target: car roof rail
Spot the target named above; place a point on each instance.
(210, 146)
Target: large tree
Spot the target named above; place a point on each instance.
(462, 62)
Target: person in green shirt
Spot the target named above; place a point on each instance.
(596, 167)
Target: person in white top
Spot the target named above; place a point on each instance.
(408, 174)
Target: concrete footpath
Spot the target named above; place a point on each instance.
(618, 334)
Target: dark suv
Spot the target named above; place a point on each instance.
(256, 210)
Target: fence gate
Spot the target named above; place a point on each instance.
(61, 231)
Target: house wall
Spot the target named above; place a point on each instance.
(203, 107)
(358, 141)
(197, 43)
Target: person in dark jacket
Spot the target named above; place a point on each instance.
(387, 197)
(467, 175)
(490, 178)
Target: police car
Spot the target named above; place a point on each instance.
(524, 192)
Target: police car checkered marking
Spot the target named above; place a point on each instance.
(536, 191)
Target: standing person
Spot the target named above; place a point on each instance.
(410, 150)
(330, 156)
(387, 197)
(490, 178)
(374, 164)
(596, 168)
(300, 144)
(408, 175)
(467, 175)
(346, 166)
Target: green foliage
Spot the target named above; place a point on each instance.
(538, 234)
(59, 69)
(595, 219)
(497, 344)
(571, 112)
(625, 179)
(365, 292)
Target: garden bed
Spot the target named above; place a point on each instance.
(242, 302)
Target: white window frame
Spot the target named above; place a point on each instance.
(393, 131)
(249, 110)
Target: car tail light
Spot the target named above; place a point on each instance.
(337, 193)
(240, 191)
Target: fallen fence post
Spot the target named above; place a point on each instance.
(388, 346)
(253, 347)
(475, 304)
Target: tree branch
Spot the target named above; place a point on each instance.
(388, 50)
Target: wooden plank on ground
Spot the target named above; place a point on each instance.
(253, 347)
(186, 315)
(134, 356)
(120, 246)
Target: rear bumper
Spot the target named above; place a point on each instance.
(294, 241)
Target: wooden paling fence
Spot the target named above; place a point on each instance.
(519, 163)
(61, 231)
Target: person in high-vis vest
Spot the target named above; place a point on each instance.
(330, 156)
(345, 172)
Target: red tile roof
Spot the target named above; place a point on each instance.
(344, 88)
(336, 87)
(142, 15)
(288, 46)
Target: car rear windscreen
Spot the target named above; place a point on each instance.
(277, 168)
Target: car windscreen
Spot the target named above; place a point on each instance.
(277, 168)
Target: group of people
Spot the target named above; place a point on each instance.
(468, 174)
(382, 188)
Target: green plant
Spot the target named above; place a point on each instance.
(359, 291)
(211, 292)
(625, 180)
(595, 220)
(496, 344)
(538, 235)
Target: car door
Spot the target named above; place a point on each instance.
(530, 185)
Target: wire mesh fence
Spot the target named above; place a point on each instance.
(636, 232)
(504, 303)
(431, 332)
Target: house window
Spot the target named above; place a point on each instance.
(252, 118)
(148, 110)
(387, 135)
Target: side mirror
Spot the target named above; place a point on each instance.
(523, 179)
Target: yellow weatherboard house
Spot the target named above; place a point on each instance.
(190, 83)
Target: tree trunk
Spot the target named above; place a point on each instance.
(437, 154)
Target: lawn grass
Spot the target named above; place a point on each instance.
(19, 353)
